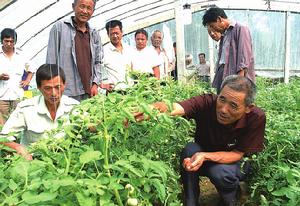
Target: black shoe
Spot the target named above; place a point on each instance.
(191, 202)
(222, 203)
(233, 202)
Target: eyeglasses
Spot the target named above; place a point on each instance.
(9, 41)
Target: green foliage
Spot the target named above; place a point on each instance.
(277, 177)
(99, 156)
(100, 161)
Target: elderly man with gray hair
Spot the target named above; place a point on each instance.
(166, 62)
(228, 127)
(76, 47)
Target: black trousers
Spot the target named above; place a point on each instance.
(218, 79)
(225, 177)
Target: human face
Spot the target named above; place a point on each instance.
(217, 26)
(214, 34)
(231, 106)
(156, 39)
(141, 41)
(83, 10)
(115, 35)
(201, 59)
(8, 44)
(52, 90)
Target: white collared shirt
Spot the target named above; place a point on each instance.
(10, 89)
(144, 60)
(33, 118)
(117, 65)
(164, 62)
(203, 69)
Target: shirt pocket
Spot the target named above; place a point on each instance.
(38, 124)
(36, 128)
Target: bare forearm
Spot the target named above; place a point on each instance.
(177, 110)
(11, 145)
(223, 157)
(19, 148)
(29, 76)
(241, 72)
(156, 72)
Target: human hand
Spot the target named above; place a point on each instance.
(23, 152)
(161, 106)
(24, 83)
(94, 90)
(109, 87)
(4, 76)
(138, 116)
(193, 163)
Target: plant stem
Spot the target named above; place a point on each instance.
(106, 155)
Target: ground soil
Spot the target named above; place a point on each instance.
(210, 197)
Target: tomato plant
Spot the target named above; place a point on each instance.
(92, 158)
(277, 177)
(98, 156)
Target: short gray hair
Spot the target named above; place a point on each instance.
(75, 2)
(157, 31)
(241, 84)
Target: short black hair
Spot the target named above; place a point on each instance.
(241, 84)
(113, 24)
(8, 33)
(212, 14)
(202, 54)
(49, 71)
(141, 31)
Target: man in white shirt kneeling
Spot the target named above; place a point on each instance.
(41, 113)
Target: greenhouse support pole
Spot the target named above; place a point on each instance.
(211, 58)
(287, 48)
(180, 43)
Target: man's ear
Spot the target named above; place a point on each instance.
(249, 107)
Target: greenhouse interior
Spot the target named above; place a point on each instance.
(99, 128)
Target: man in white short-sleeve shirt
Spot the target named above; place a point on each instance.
(165, 63)
(12, 66)
(39, 114)
(117, 59)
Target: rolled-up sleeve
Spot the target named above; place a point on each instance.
(15, 123)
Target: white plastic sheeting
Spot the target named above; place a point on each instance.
(33, 19)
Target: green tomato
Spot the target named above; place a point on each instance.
(132, 201)
(130, 188)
